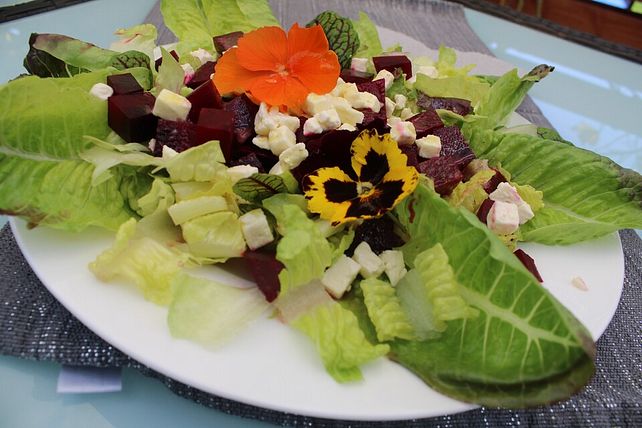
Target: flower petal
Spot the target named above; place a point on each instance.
(329, 191)
(278, 90)
(368, 152)
(310, 39)
(407, 175)
(229, 76)
(265, 49)
(317, 71)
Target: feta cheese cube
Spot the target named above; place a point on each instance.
(256, 229)
(338, 277)
(261, 142)
(387, 76)
(428, 70)
(168, 152)
(406, 114)
(507, 193)
(503, 218)
(188, 71)
(312, 126)
(365, 100)
(393, 265)
(348, 115)
(412, 80)
(328, 119)
(344, 90)
(293, 156)
(101, 91)
(390, 107)
(403, 133)
(290, 122)
(429, 146)
(393, 120)
(359, 64)
(401, 101)
(241, 171)
(263, 121)
(280, 139)
(202, 55)
(171, 106)
(347, 127)
(371, 264)
(315, 103)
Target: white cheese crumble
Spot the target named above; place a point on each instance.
(188, 71)
(171, 106)
(403, 133)
(239, 172)
(393, 265)
(291, 157)
(101, 91)
(429, 146)
(387, 76)
(202, 55)
(338, 277)
(359, 64)
(401, 100)
(507, 193)
(390, 107)
(256, 229)
(579, 283)
(503, 218)
(371, 264)
(280, 139)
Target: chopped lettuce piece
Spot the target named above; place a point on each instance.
(445, 64)
(186, 19)
(303, 250)
(531, 196)
(341, 242)
(385, 311)
(210, 313)
(170, 74)
(340, 342)
(369, 42)
(159, 197)
(141, 38)
(457, 86)
(591, 196)
(189, 209)
(471, 194)
(142, 261)
(200, 163)
(216, 236)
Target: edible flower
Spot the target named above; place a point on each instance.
(279, 69)
(379, 180)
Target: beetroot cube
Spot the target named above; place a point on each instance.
(265, 269)
(251, 159)
(376, 88)
(393, 62)
(454, 145)
(372, 119)
(412, 153)
(494, 181)
(354, 76)
(426, 122)
(215, 124)
(444, 172)
(226, 41)
(123, 84)
(248, 152)
(202, 74)
(529, 263)
(177, 135)
(159, 61)
(205, 96)
(244, 112)
(484, 209)
(130, 116)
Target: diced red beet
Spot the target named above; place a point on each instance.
(393, 62)
(205, 96)
(265, 157)
(412, 152)
(484, 209)
(244, 112)
(494, 181)
(354, 76)
(528, 262)
(177, 135)
(130, 116)
(124, 84)
(300, 138)
(265, 269)
(249, 159)
(444, 172)
(456, 105)
(371, 119)
(202, 74)
(376, 88)
(226, 41)
(454, 145)
(379, 233)
(215, 124)
(426, 122)
(159, 61)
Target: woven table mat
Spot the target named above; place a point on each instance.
(33, 325)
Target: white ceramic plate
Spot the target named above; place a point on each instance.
(270, 365)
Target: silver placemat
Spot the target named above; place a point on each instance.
(33, 325)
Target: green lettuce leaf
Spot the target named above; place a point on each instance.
(200, 163)
(369, 42)
(585, 195)
(140, 260)
(471, 194)
(187, 20)
(446, 61)
(506, 95)
(216, 236)
(141, 38)
(385, 311)
(159, 197)
(210, 313)
(170, 74)
(303, 250)
(339, 340)
(457, 86)
(523, 349)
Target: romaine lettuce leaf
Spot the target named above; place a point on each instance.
(471, 194)
(200, 163)
(457, 86)
(523, 349)
(210, 313)
(369, 43)
(187, 20)
(585, 195)
(141, 38)
(385, 311)
(170, 74)
(216, 236)
(340, 342)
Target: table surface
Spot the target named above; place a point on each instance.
(592, 99)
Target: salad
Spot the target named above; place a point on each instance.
(376, 198)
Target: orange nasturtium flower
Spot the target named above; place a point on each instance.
(279, 69)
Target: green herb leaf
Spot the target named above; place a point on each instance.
(341, 35)
(259, 186)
